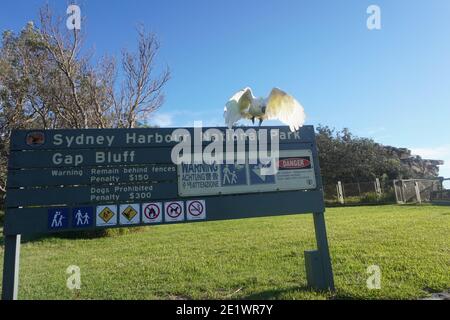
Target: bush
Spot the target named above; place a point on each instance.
(99, 233)
(370, 197)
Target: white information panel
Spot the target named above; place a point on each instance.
(295, 172)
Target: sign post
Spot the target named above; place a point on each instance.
(324, 252)
(78, 180)
(11, 267)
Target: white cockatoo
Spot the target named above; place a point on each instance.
(278, 106)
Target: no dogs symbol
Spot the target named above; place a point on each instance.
(174, 211)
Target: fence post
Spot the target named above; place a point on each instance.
(398, 191)
(416, 186)
(378, 187)
(340, 193)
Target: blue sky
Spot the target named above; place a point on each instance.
(392, 84)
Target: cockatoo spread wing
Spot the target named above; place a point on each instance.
(237, 107)
(283, 107)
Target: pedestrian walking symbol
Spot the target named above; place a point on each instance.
(58, 218)
(82, 217)
(258, 176)
(234, 175)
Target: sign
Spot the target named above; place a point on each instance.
(83, 217)
(106, 216)
(129, 214)
(126, 177)
(58, 218)
(196, 210)
(152, 212)
(92, 175)
(72, 180)
(295, 171)
(174, 211)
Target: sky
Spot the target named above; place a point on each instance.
(392, 84)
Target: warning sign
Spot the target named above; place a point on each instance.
(294, 163)
(196, 210)
(293, 170)
(129, 214)
(174, 211)
(152, 212)
(106, 215)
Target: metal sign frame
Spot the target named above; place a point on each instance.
(57, 172)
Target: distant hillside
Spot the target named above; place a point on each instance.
(420, 168)
(348, 158)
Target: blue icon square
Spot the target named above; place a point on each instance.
(58, 218)
(233, 175)
(83, 217)
(257, 176)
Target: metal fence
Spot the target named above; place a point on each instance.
(361, 192)
(416, 190)
(382, 191)
(442, 196)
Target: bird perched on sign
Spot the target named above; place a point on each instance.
(278, 106)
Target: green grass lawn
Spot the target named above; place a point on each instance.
(249, 259)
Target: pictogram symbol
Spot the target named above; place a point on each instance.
(152, 212)
(106, 214)
(196, 209)
(174, 211)
(129, 213)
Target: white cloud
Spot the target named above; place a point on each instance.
(437, 153)
(162, 119)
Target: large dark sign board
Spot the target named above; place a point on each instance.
(71, 180)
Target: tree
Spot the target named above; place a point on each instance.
(47, 81)
(344, 157)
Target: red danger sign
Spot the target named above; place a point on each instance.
(294, 163)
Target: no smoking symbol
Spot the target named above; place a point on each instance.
(152, 211)
(195, 208)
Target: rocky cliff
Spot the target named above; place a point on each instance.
(419, 168)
